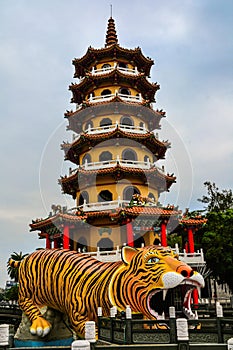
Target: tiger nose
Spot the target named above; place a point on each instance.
(184, 270)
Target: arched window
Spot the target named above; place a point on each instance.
(86, 159)
(129, 154)
(151, 196)
(82, 244)
(105, 196)
(141, 124)
(124, 91)
(146, 159)
(106, 66)
(83, 196)
(105, 244)
(122, 65)
(129, 192)
(106, 92)
(138, 241)
(104, 156)
(126, 120)
(88, 125)
(105, 122)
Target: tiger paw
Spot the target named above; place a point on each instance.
(40, 327)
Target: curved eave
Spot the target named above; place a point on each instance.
(55, 221)
(85, 141)
(83, 64)
(195, 222)
(71, 184)
(116, 77)
(116, 104)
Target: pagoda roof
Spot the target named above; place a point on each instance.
(117, 105)
(116, 77)
(71, 184)
(114, 51)
(85, 141)
(55, 221)
(193, 221)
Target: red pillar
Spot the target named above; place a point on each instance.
(190, 240)
(129, 228)
(48, 243)
(55, 244)
(66, 237)
(164, 234)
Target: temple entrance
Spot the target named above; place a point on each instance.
(105, 244)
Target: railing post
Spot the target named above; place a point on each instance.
(182, 333)
(172, 324)
(219, 312)
(84, 205)
(128, 325)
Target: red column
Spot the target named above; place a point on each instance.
(129, 228)
(48, 243)
(55, 244)
(164, 234)
(190, 240)
(66, 237)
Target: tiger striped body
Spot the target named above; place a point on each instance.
(76, 284)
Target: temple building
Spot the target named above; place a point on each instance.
(116, 178)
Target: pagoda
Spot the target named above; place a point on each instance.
(116, 179)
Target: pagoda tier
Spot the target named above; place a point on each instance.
(79, 118)
(86, 178)
(87, 141)
(115, 53)
(114, 77)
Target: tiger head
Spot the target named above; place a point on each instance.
(147, 277)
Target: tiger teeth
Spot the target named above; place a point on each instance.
(164, 294)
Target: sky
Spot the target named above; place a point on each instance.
(191, 44)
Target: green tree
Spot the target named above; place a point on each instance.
(13, 271)
(217, 234)
(217, 200)
(12, 293)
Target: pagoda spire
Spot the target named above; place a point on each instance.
(111, 35)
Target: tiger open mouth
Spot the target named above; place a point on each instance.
(159, 300)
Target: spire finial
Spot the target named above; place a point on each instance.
(110, 10)
(111, 36)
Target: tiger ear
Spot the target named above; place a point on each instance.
(127, 253)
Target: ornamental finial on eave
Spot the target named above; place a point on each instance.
(111, 35)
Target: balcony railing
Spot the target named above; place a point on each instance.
(107, 205)
(106, 164)
(108, 97)
(110, 69)
(196, 258)
(108, 128)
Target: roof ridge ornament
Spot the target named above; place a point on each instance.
(111, 35)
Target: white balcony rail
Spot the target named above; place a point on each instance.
(108, 97)
(107, 205)
(110, 69)
(111, 127)
(106, 164)
(115, 255)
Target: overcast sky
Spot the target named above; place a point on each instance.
(192, 46)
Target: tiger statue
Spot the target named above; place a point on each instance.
(76, 284)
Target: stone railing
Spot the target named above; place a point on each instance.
(112, 127)
(114, 162)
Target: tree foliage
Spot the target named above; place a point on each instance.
(217, 234)
(12, 293)
(217, 200)
(13, 271)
